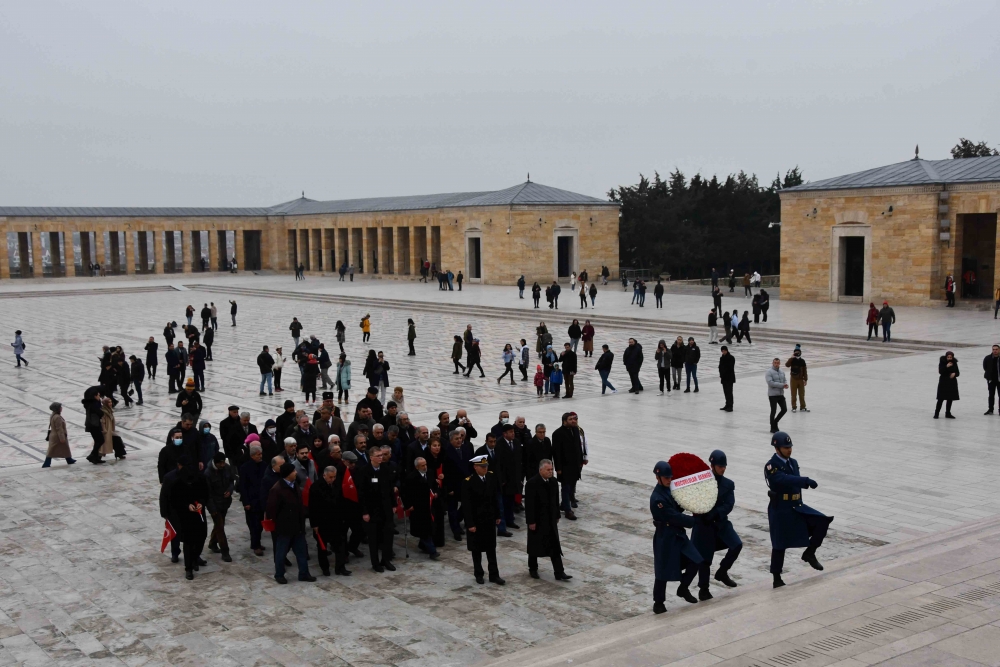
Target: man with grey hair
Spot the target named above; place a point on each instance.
(407, 432)
(327, 521)
(361, 449)
(268, 480)
(251, 475)
(418, 447)
(352, 505)
(541, 513)
(420, 491)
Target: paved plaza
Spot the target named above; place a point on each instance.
(84, 582)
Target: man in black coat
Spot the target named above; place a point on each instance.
(419, 446)
(568, 360)
(461, 419)
(499, 463)
(191, 440)
(376, 495)
(189, 400)
(991, 371)
(167, 480)
(457, 467)
(537, 448)
(713, 531)
(497, 429)
(208, 339)
(285, 422)
(251, 476)
(305, 433)
(326, 516)
(727, 375)
(138, 373)
(284, 507)
(198, 356)
(541, 513)
(632, 358)
(567, 456)
(230, 432)
(482, 516)
(419, 489)
(513, 484)
(370, 401)
(174, 367)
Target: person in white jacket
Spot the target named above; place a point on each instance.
(776, 386)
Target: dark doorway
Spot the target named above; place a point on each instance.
(979, 243)
(565, 258)
(251, 251)
(475, 258)
(854, 265)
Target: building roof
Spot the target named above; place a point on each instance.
(528, 193)
(913, 172)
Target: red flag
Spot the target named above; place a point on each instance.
(305, 492)
(267, 525)
(168, 536)
(431, 502)
(400, 510)
(320, 540)
(348, 487)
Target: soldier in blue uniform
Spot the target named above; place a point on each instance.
(714, 531)
(792, 523)
(674, 556)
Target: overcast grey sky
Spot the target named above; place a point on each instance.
(249, 103)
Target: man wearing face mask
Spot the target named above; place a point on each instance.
(251, 476)
(269, 440)
(209, 445)
(190, 439)
(798, 378)
(497, 429)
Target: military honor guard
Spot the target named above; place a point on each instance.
(714, 531)
(480, 496)
(792, 523)
(541, 513)
(675, 557)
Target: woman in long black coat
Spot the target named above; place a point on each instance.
(947, 390)
(435, 469)
(92, 422)
(310, 371)
(541, 513)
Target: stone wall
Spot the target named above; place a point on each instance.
(908, 260)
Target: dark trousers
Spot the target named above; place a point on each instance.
(295, 543)
(951, 298)
(568, 489)
(455, 517)
(872, 327)
(138, 390)
(365, 336)
(253, 523)
(568, 377)
(776, 402)
(199, 379)
(458, 365)
(557, 564)
(763, 312)
(817, 526)
(491, 562)
(691, 371)
(507, 369)
(95, 453)
(151, 371)
(413, 352)
(356, 524)
(727, 562)
(993, 390)
(474, 364)
(218, 537)
(664, 372)
(688, 571)
(508, 503)
(215, 323)
(633, 375)
(379, 540)
(886, 336)
(727, 389)
(659, 301)
(524, 371)
(174, 383)
(208, 350)
(747, 291)
(194, 542)
(277, 378)
(175, 547)
(123, 388)
(947, 408)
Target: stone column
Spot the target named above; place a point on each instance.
(100, 256)
(315, 264)
(187, 259)
(170, 252)
(70, 255)
(129, 252)
(159, 255)
(55, 255)
(366, 251)
(36, 254)
(114, 252)
(241, 261)
(326, 250)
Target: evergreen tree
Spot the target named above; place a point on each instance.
(965, 148)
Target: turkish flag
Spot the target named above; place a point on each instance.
(168, 536)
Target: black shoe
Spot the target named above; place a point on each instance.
(188, 574)
(344, 572)
(458, 537)
(480, 580)
(280, 580)
(704, 594)
(533, 574)
(988, 412)
(435, 556)
(687, 391)
(307, 577)
(573, 504)
(497, 580)
(214, 548)
(563, 577)
(570, 516)
(357, 552)
(378, 568)
(683, 592)
(778, 583)
(505, 533)
(723, 576)
(389, 566)
(659, 608)
(514, 526)
(226, 558)
(201, 561)
(810, 557)
(175, 559)
(326, 572)
(262, 394)
(696, 390)
(948, 415)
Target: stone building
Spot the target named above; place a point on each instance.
(493, 237)
(893, 233)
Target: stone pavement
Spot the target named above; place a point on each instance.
(869, 441)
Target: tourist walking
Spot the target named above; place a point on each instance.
(755, 307)
(151, 347)
(732, 280)
(541, 513)
(19, 346)
(662, 358)
(568, 359)
(887, 316)
(324, 366)
(520, 287)
(746, 285)
(583, 295)
(213, 314)
(678, 351)
(658, 293)
(713, 327)
(296, 328)
(603, 368)
(265, 362)
(575, 334)
(764, 302)
(221, 484)
(57, 438)
(341, 334)
(310, 371)
(692, 355)
(92, 422)
(366, 328)
(456, 354)
(727, 376)
(799, 376)
(947, 390)
(344, 380)
(872, 320)
(776, 386)
(411, 335)
(632, 359)
(717, 298)
(536, 293)
(524, 357)
(473, 359)
(188, 496)
(727, 323)
(137, 373)
(232, 311)
(593, 294)
(744, 329)
(587, 334)
(279, 363)
(991, 371)
(507, 357)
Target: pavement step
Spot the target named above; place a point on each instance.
(900, 346)
(86, 292)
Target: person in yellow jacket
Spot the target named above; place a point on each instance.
(366, 327)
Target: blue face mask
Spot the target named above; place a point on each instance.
(178, 441)
(206, 430)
